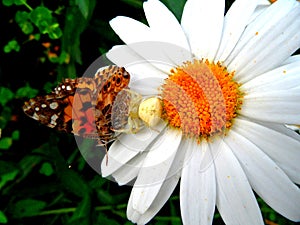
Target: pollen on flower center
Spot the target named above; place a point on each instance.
(201, 98)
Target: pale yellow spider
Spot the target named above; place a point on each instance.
(130, 112)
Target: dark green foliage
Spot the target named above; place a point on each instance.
(43, 177)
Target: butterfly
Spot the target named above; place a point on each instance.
(82, 106)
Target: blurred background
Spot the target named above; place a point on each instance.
(43, 177)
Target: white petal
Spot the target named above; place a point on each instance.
(197, 189)
(130, 30)
(182, 157)
(127, 147)
(164, 24)
(146, 78)
(279, 143)
(141, 71)
(202, 21)
(135, 64)
(155, 170)
(162, 55)
(264, 2)
(174, 54)
(161, 198)
(122, 55)
(184, 154)
(130, 170)
(292, 59)
(266, 178)
(262, 6)
(145, 70)
(235, 21)
(292, 127)
(140, 39)
(235, 199)
(275, 106)
(210, 153)
(254, 54)
(282, 78)
(118, 155)
(147, 86)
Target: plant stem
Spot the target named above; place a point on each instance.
(72, 209)
(28, 6)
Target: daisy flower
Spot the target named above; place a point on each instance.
(228, 86)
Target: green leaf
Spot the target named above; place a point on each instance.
(75, 25)
(46, 169)
(83, 6)
(28, 163)
(7, 49)
(40, 14)
(23, 22)
(6, 167)
(3, 218)
(97, 182)
(21, 16)
(81, 164)
(7, 2)
(73, 182)
(8, 172)
(27, 92)
(273, 216)
(37, 36)
(54, 31)
(175, 6)
(48, 87)
(128, 223)
(103, 219)
(26, 27)
(9, 176)
(12, 45)
(5, 143)
(28, 207)
(42, 18)
(15, 135)
(174, 214)
(60, 10)
(81, 215)
(5, 116)
(20, 2)
(5, 95)
(108, 199)
(105, 197)
(43, 26)
(134, 3)
(63, 58)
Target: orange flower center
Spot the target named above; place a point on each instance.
(201, 98)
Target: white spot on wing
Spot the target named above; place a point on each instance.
(53, 105)
(53, 119)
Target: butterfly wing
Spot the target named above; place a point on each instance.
(110, 82)
(50, 111)
(81, 106)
